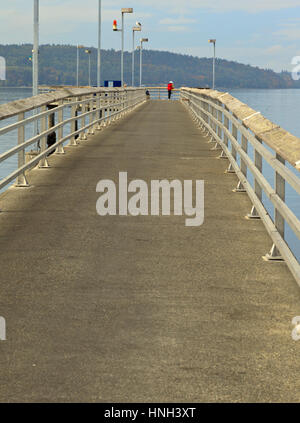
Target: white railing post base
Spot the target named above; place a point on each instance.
(230, 169)
(253, 214)
(223, 155)
(273, 255)
(44, 164)
(22, 182)
(239, 188)
(60, 150)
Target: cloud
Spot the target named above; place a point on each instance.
(168, 23)
(276, 49)
(178, 21)
(177, 25)
(289, 31)
(219, 6)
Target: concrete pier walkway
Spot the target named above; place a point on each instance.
(125, 309)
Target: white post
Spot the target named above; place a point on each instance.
(35, 57)
(99, 45)
(77, 83)
(132, 58)
(36, 48)
(141, 62)
(214, 66)
(122, 52)
(90, 70)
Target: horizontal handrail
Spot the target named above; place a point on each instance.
(233, 125)
(27, 104)
(162, 92)
(280, 140)
(100, 106)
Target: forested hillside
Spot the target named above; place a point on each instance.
(58, 67)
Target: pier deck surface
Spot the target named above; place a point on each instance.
(125, 309)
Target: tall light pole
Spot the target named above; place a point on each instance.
(135, 29)
(35, 51)
(99, 44)
(77, 77)
(143, 40)
(35, 56)
(88, 52)
(123, 11)
(213, 41)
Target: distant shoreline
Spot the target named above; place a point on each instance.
(218, 89)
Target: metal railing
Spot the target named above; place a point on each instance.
(233, 127)
(79, 111)
(161, 93)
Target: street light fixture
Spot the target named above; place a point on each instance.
(143, 40)
(213, 41)
(78, 47)
(115, 28)
(135, 29)
(89, 54)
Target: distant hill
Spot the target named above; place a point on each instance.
(58, 67)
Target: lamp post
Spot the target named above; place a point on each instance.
(135, 29)
(89, 54)
(35, 56)
(77, 78)
(35, 51)
(99, 44)
(115, 28)
(143, 40)
(213, 41)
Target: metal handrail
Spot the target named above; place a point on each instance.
(232, 126)
(162, 93)
(100, 106)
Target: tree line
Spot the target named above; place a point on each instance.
(58, 67)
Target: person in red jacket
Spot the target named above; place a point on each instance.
(170, 88)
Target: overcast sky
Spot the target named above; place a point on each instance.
(263, 33)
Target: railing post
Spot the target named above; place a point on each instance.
(225, 137)
(60, 131)
(257, 188)
(74, 128)
(198, 113)
(220, 119)
(240, 186)
(44, 162)
(125, 102)
(21, 180)
(213, 124)
(99, 103)
(108, 102)
(233, 150)
(211, 110)
(112, 103)
(218, 127)
(274, 254)
(51, 138)
(91, 116)
(83, 110)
